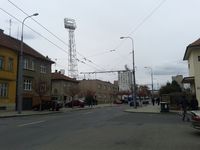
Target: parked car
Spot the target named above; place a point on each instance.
(49, 105)
(117, 102)
(75, 103)
(195, 119)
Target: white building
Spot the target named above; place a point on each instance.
(192, 55)
(125, 80)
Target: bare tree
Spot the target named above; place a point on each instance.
(41, 88)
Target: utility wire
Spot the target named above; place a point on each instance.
(147, 17)
(45, 37)
(47, 30)
(142, 22)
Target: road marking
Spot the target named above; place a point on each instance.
(87, 113)
(31, 123)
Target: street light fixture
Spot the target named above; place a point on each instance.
(134, 84)
(20, 72)
(151, 78)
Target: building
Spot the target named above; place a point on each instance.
(63, 88)
(178, 79)
(36, 72)
(192, 55)
(125, 81)
(8, 75)
(103, 92)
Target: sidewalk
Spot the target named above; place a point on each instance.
(148, 109)
(8, 114)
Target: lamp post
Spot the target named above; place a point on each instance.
(20, 72)
(134, 84)
(151, 78)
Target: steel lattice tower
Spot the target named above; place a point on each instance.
(72, 60)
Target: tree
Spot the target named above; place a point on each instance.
(90, 97)
(143, 91)
(41, 88)
(170, 88)
(73, 90)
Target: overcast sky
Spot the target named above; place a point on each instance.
(161, 30)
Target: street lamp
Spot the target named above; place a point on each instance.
(151, 78)
(20, 72)
(134, 84)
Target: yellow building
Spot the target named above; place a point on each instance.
(8, 76)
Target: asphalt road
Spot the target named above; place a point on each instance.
(106, 128)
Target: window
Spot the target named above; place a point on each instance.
(32, 65)
(198, 58)
(3, 89)
(43, 69)
(27, 85)
(10, 64)
(25, 63)
(1, 62)
(29, 64)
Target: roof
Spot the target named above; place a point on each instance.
(189, 48)
(14, 44)
(59, 76)
(188, 80)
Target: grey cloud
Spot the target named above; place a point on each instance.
(170, 69)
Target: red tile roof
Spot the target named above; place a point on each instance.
(14, 44)
(59, 76)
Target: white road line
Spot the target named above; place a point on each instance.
(31, 123)
(87, 113)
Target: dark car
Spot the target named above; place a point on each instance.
(132, 103)
(75, 103)
(195, 119)
(49, 105)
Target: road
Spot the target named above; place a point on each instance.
(106, 128)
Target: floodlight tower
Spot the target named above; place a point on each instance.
(72, 60)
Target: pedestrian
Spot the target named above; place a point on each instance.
(184, 105)
(153, 100)
(194, 103)
(158, 101)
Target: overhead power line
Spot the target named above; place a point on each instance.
(51, 32)
(99, 68)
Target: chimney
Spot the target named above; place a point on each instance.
(1, 31)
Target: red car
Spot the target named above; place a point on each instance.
(75, 103)
(195, 119)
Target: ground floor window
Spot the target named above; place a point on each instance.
(27, 85)
(3, 89)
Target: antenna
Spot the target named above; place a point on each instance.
(72, 59)
(10, 24)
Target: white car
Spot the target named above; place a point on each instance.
(195, 119)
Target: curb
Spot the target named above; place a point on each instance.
(170, 112)
(54, 112)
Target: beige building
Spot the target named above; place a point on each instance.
(63, 88)
(104, 92)
(192, 55)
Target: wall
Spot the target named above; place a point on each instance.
(9, 77)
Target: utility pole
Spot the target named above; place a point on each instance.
(20, 72)
(134, 92)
